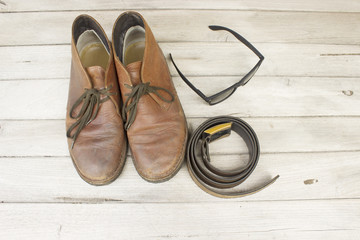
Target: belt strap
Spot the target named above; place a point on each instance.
(211, 179)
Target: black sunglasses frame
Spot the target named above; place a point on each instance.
(233, 87)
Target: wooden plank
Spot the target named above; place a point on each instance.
(199, 59)
(263, 96)
(313, 134)
(257, 26)
(303, 104)
(292, 5)
(302, 176)
(47, 98)
(261, 220)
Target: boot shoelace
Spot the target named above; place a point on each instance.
(91, 100)
(130, 105)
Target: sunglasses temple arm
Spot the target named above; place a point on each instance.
(187, 81)
(240, 38)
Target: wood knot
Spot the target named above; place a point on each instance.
(348, 92)
(310, 181)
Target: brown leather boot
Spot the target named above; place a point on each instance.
(95, 130)
(155, 121)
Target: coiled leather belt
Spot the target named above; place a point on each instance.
(211, 179)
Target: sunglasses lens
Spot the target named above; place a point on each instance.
(222, 96)
(248, 77)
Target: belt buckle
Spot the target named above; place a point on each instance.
(217, 132)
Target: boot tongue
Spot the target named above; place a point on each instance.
(97, 76)
(134, 70)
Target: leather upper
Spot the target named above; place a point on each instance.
(157, 137)
(100, 149)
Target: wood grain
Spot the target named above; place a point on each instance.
(276, 135)
(302, 176)
(201, 59)
(257, 26)
(289, 97)
(292, 5)
(302, 103)
(225, 220)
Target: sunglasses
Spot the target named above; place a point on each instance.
(226, 93)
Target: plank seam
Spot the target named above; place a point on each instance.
(177, 9)
(119, 201)
(214, 154)
(202, 117)
(205, 42)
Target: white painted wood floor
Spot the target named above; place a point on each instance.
(304, 104)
